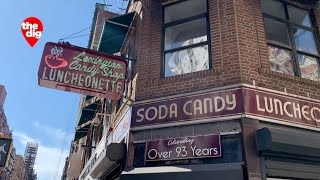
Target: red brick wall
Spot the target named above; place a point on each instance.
(3, 95)
(148, 40)
(239, 52)
(239, 55)
(255, 68)
(254, 54)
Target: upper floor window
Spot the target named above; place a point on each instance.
(186, 47)
(291, 37)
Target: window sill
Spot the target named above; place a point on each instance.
(188, 76)
(288, 77)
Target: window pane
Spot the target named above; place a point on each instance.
(309, 67)
(280, 60)
(299, 16)
(304, 40)
(184, 10)
(186, 34)
(273, 8)
(276, 31)
(187, 61)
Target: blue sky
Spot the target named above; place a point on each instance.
(35, 113)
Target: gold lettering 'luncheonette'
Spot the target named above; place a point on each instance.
(287, 108)
(82, 80)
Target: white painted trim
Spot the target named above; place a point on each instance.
(119, 24)
(121, 118)
(195, 93)
(221, 133)
(282, 122)
(83, 125)
(190, 122)
(182, 168)
(104, 23)
(161, 169)
(230, 87)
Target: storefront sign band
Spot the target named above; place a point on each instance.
(237, 101)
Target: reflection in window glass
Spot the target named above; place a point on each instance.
(277, 32)
(309, 67)
(274, 8)
(304, 40)
(299, 16)
(186, 34)
(280, 60)
(184, 10)
(187, 61)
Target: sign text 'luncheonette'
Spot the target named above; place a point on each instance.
(281, 107)
(82, 71)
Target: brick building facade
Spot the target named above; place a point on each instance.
(239, 55)
(19, 172)
(7, 171)
(247, 70)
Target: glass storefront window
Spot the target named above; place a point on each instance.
(274, 8)
(185, 34)
(291, 39)
(276, 31)
(186, 46)
(184, 9)
(299, 16)
(304, 40)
